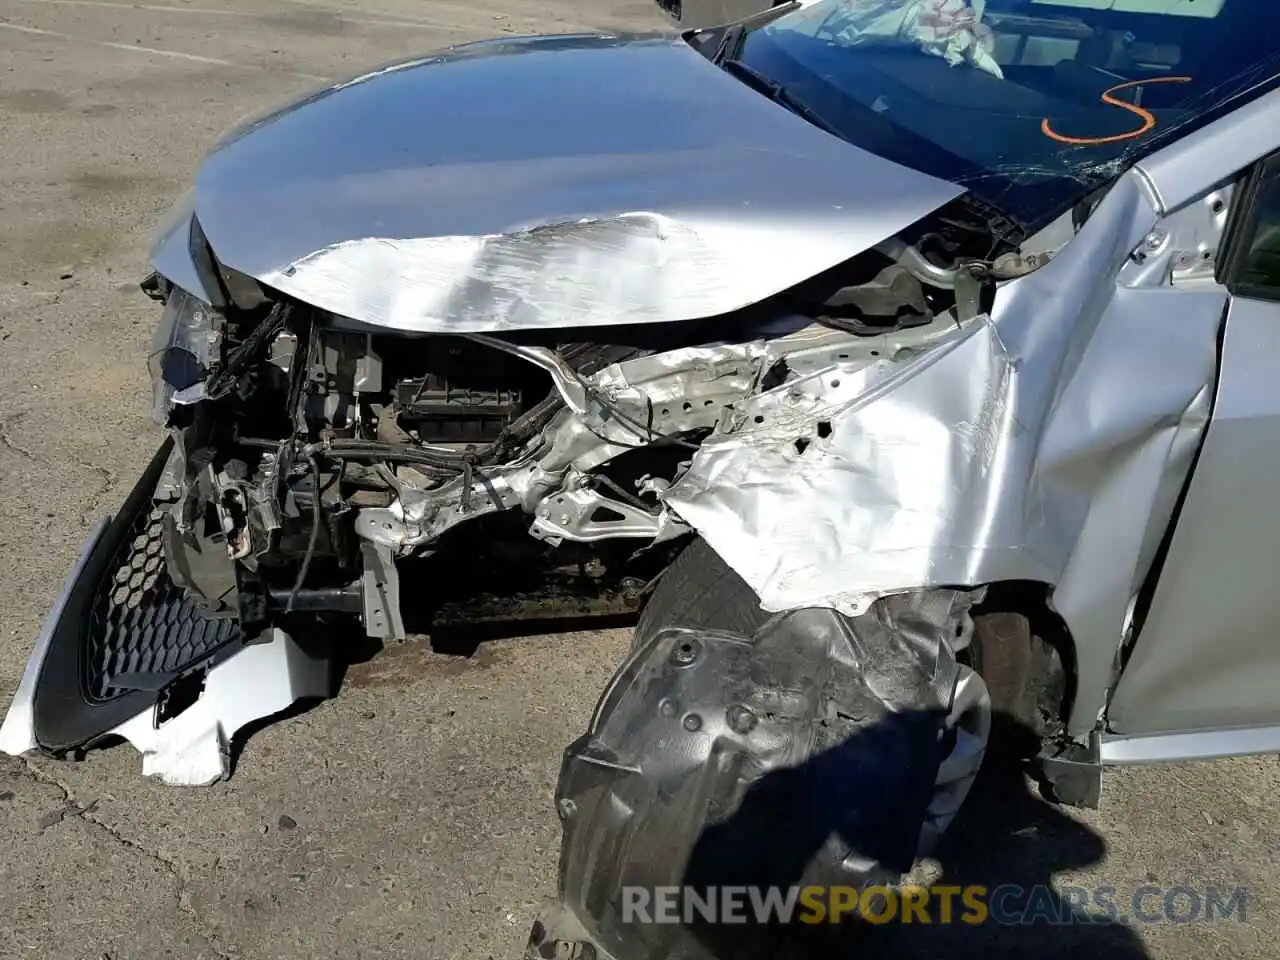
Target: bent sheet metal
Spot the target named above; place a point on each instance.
(1019, 449)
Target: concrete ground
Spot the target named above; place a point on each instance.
(411, 816)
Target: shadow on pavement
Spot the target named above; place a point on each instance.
(863, 798)
(1006, 835)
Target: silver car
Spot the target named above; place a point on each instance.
(909, 367)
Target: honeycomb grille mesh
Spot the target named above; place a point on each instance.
(144, 628)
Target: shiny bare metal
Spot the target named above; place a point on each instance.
(766, 347)
(1017, 449)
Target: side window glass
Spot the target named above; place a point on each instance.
(1253, 254)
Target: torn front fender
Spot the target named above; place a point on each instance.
(1047, 442)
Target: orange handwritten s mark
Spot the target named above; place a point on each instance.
(1148, 121)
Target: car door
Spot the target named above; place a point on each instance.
(1203, 676)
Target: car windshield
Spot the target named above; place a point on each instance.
(1032, 104)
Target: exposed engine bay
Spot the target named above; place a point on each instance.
(882, 442)
(315, 457)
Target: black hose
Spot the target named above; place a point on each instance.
(520, 430)
(446, 465)
(225, 380)
(317, 518)
(622, 494)
(644, 431)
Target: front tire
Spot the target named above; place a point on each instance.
(699, 591)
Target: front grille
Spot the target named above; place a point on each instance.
(144, 630)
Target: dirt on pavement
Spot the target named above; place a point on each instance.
(411, 816)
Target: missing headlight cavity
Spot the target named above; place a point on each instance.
(179, 696)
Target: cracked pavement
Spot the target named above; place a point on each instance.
(68, 811)
(411, 816)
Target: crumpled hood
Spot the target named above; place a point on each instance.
(543, 182)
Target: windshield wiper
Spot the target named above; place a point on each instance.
(775, 92)
(730, 43)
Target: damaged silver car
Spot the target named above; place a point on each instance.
(908, 374)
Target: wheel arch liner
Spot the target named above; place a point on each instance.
(704, 740)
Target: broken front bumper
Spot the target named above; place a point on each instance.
(125, 652)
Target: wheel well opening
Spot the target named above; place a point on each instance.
(1025, 653)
